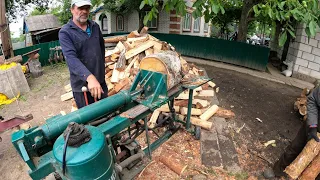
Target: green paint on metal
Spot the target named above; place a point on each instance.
(238, 53)
(188, 124)
(44, 51)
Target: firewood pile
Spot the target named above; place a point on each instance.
(300, 105)
(306, 165)
(122, 63)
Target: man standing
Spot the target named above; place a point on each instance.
(83, 47)
(307, 131)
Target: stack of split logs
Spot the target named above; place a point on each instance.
(307, 165)
(300, 105)
(122, 63)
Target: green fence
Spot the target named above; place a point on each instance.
(242, 54)
(44, 51)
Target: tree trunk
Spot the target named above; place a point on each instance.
(275, 40)
(5, 35)
(243, 24)
(286, 48)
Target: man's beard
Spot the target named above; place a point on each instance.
(82, 20)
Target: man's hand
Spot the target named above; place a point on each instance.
(313, 133)
(94, 87)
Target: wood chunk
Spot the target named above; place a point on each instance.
(313, 170)
(304, 92)
(182, 103)
(134, 71)
(185, 95)
(199, 106)
(184, 66)
(114, 57)
(198, 122)
(109, 63)
(212, 84)
(195, 71)
(110, 86)
(154, 118)
(115, 76)
(68, 88)
(107, 59)
(139, 49)
(153, 38)
(157, 47)
(303, 110)
(149, 51)
(115, 39)
(128, 45)
(205, 86)
(137, 39)
(111, 66)
(112, 92)
(121, 64)
(133, 34)
(172, 164)
(201, 72)
(191, 72)
(144, 31)
(67, 96)
(224, 113)
(110, 52)
(198, 88)
(204, 103)
(206, 93)
(165, 108)
(309, 152)
(121, 84)
(121, 47)
(136, 65)
(109, 74)
(209, 113)
(194, 111)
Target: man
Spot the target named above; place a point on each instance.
(307, 131)
(83, 47)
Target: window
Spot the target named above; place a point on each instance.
(104, 23)
(196, 25)
(187, 22)
(206, 27)
(120, 23)
(153, 24)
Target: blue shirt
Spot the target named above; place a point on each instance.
(88, 31)
(84, 53)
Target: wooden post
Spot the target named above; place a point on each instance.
(5, 35)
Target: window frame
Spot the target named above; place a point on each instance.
(204, 27)
(190, 23)
(144, 13)
(199, 24)
(117, 23)
(103, 23)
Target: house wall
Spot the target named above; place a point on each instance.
(99, 22)
(305, 55)
(133, 21)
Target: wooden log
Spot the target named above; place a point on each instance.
(194, 111)
(212, 84)
(313, 170)
(204, 103)
(115, 39)
(110, 52)
(121, 64)
(181, 103)
(120, 46)
(198, 88)
(172, 164)
(121, 84)
(185, 95)
(133, 34)
(224, 113)
(206, 93)
(309, 152)
(137, 39)
(205, 86)
(110, 86)
(68, 88)
(209, 113)
(197, 122)
(157, 47)
(115, 76)
(112, 92)
(67, 96)
(153, 120)
(144, 31)
(303, 110)
(109, 74)
(139, 49)
(201, 72)
(165, 108)
(195, 71)
(114, 57)
(149, 51)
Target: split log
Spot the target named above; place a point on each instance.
(199, 106)
(224, 113)
(115, 39)
(112, 92)
(68, 88)
(115, 76)
(181, 103)
(153, 38)
(154, 118)
(185, 95)
(209, 113)
(206, 93)
(157, 47)
(144, 31)
(149, 51)
(121, 64)
(172, 164)
(67, 96)
(165, 108)
(195, 71)
(110, 52)
(194, 111)
(133, 34)
(139, 49)
(201, 72)
(120, 46)
(109, 74)
(205, 86)
(110, 86)
(303, 110)
(137, 39)
(111, 66)
(197, 122)
(309, 152)
(203, 103)
(210, 83)
(121, 84)
(114, 57)
(313, 170)
(198, 88)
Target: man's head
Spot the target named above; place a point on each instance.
(80, 10)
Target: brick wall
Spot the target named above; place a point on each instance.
(305, 55)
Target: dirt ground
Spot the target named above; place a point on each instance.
(247, 96)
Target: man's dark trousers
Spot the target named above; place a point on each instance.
(292, 151)
(80, 100)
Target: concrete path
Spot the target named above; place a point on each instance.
(273, 75)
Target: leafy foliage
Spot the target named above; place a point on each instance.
(121, 6)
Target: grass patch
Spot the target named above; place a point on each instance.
(22, 98)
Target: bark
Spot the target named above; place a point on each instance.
(5, 35)
(286, 48)
(275, 40)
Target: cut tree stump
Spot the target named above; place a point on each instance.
(309, 152)
(172, 164)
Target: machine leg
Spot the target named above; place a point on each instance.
(147, 136)
(189, 109)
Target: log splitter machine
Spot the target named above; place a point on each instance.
(98, 141)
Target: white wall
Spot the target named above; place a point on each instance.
(133, 21)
